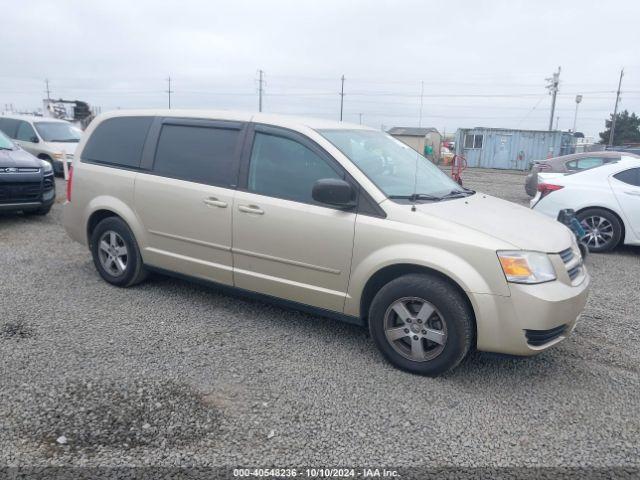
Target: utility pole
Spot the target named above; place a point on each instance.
(46, 82)
(554, 81)
(575, 117)
(557, 121)
(421, 102)
(260, 89)
(169, 91)
(341, 97)
(615, 110)
(360, 118)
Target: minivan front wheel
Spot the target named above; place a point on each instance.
(116, 254)
(421, 324)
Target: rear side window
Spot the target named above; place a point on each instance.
(631, 176)
(9, 127)
(118, 141)
(585, 163)
(197, 154)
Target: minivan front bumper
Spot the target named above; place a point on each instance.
(532, 319)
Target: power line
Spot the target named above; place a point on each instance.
(531, 111)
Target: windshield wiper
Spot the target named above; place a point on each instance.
(6, 148)
(416, 196)
(459, 193)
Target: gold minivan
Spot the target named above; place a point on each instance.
(336, 219)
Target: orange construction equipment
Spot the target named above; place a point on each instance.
(458, 165)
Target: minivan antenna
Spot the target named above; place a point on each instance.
(415, 186)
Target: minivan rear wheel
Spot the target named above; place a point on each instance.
(116, 254)
(421, 324)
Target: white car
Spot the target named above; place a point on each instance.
(49, 139)
(606, 200)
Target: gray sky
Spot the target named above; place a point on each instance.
(483, 63)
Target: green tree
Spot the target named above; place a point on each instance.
(627, 129)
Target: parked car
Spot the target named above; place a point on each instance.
(606, 201)
(566, 164)
(626, 149)
(337, 219)
(26, 182)
(50, 139)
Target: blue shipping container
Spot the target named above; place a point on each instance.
(511, 149)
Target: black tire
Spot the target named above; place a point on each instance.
(449, 304)
(39, 211)
(134, 271)
(587, 220)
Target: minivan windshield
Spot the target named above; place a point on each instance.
(58, 132)
(395, 168)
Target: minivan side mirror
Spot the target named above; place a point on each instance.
(335, 192)
(34, 139)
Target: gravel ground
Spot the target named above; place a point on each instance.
(172, 373)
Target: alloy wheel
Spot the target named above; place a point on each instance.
(415, 329)
(599, 231)
(113, 253)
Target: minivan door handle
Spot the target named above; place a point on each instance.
(214, 202)
(635, 194)
(256, 210)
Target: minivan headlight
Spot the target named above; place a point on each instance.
(526, 267)
(46, 166)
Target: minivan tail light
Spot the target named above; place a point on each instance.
(69, 184)
(546, 188)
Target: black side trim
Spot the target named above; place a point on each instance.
(240, 292)
(367, 206)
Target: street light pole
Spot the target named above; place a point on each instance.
(575, 117)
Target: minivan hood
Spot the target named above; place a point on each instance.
(68, 147)
(506, 221)
(18, 159)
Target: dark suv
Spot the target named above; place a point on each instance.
(26, 182)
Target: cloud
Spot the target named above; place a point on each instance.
(119, 54)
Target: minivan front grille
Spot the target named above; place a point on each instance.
(537, 338)
(20, 192)
(567, 255)
(574, 272)
(572, 263)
